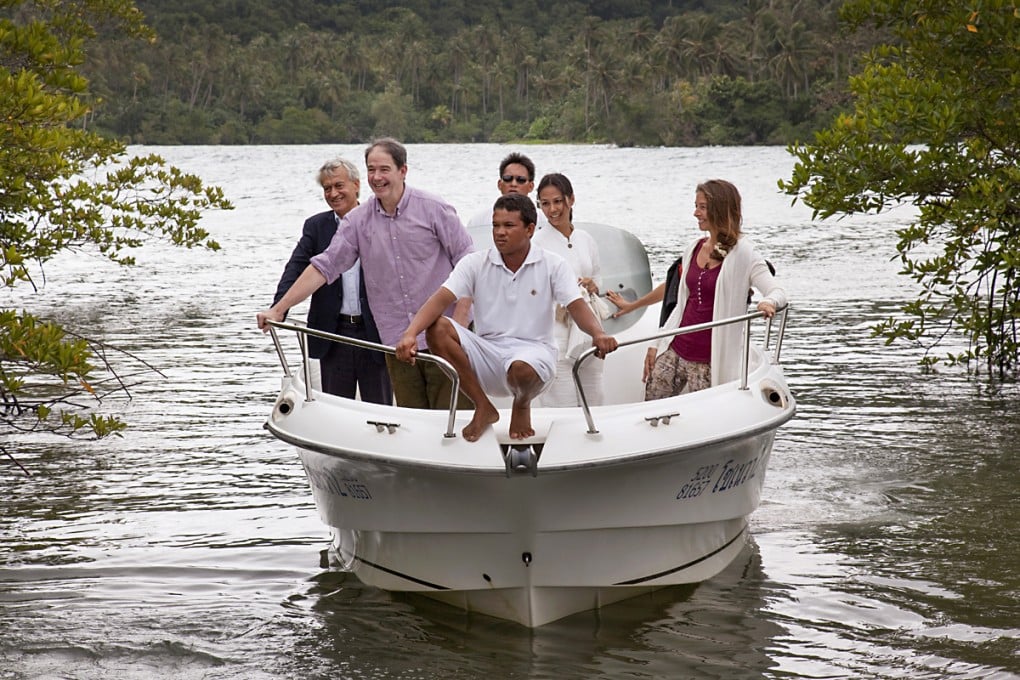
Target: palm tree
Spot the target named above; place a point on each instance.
(700, 31)
(516, 46)
(354, 54)
(790, 62)
(548, 84)
(667, 52)
(586, 43)
(528, 67)
(483, 50)
(415, 63)
(457, 57)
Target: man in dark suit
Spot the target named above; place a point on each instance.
(340, 307)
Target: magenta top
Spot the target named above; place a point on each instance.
(405, 258)
(700, 302)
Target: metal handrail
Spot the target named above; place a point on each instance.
(451, 372)
(302, 331)
(672, 332)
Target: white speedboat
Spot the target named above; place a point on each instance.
(602, 504)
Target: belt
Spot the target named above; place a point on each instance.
(352, 320)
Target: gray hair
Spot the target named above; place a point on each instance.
(333, 165)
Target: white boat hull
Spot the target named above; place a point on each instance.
(641, 496)
(608, 515)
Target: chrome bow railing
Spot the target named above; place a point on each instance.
(303, 330)
(451, 372)
(746, 319)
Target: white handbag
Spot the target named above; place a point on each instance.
(600, 305)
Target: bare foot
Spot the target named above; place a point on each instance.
(520, 422)
(483, 418)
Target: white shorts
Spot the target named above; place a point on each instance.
(491, 358)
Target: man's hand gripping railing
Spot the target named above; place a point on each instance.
(302, 331)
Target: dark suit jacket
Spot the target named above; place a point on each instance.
(324, 308)
(672, 292)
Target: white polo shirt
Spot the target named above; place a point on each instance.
(516, 305)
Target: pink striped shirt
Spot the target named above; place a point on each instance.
(404, 257)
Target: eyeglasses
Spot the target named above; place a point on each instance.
(520, 179)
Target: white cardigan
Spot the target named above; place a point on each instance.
(742, 269)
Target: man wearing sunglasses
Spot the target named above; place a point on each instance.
(516, 176)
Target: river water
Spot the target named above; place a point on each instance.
(885, 547)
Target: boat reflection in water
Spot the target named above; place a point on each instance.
(604, 503)
(635, 637)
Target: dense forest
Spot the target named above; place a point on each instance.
(630, 72)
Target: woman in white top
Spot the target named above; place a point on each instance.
(578, 248)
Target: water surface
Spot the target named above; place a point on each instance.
(885, 546)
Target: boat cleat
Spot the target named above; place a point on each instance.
(384, 427)
(664, 419)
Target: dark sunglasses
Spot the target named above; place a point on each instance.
(520, 179)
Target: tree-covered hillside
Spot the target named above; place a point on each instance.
(647, 72)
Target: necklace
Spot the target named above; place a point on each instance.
(707, 250)
(699, 288)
